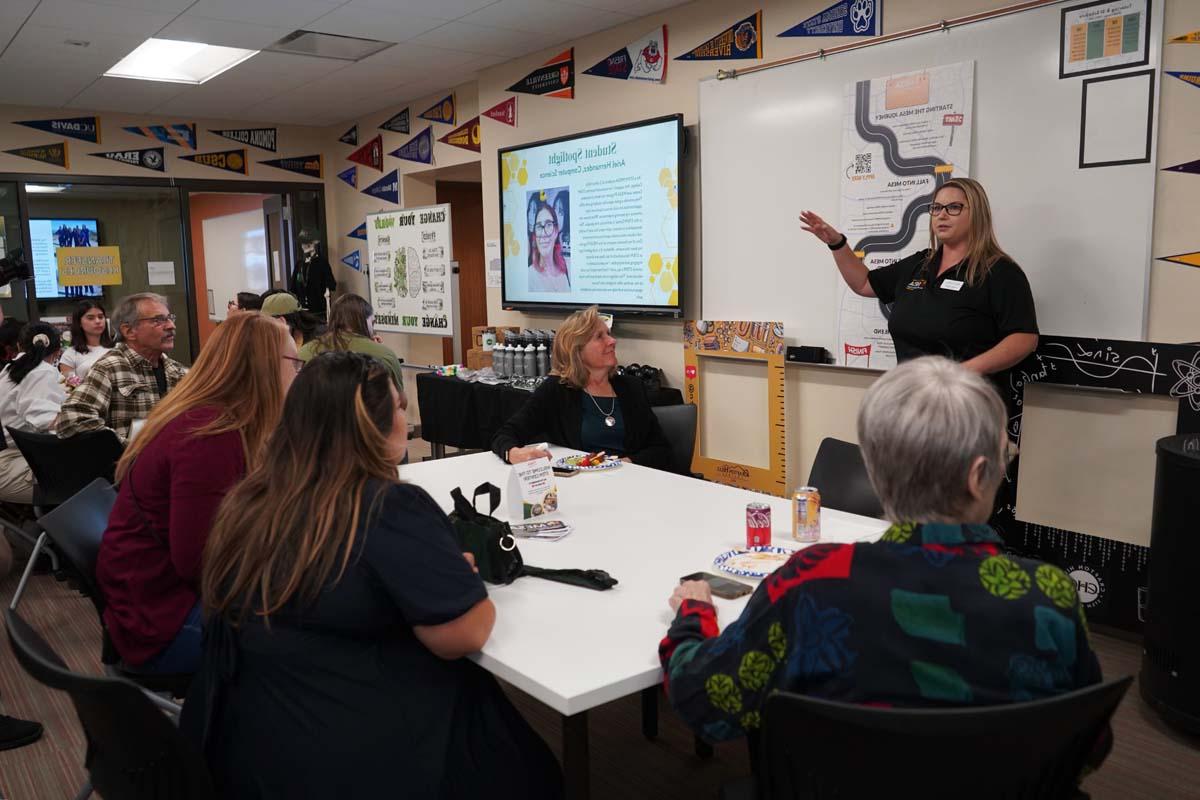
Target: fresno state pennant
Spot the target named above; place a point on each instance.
(85, 128)
(397, 123)
(465, 136)
(350, 136)
(54, 154)
(370, 154)
(148, 158)
(442, 111)
(181, 133)
(262, 138)
(350, 176)
(228, 160)
(505, 111)
(555, 78)
(312, 166)
(643, 60)
(740, 40)
(418, 148)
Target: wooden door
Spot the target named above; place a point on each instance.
(466, 221)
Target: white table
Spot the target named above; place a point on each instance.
(574, 648)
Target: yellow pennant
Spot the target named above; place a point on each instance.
(1190, 259)
(1187, 38)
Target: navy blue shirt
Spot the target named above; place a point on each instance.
(597, 436)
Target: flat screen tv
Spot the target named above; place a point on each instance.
(45, 237)
(593, 218)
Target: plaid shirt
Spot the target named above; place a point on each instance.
(119, 388)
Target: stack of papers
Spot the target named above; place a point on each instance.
(550, 530)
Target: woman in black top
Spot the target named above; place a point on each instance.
(339, 610)
(963, 298)
(587, 407)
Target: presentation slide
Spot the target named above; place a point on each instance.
(46, 236)
(594, 218)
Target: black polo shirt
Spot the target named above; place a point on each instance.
(946, 317)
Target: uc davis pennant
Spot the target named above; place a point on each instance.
(182, 134)
(350, 136)
(442, 111)
(352, 261)
(386, 188)
(350, 176)
(55, 154)
(147, 158)
(89, 266)
(312, 166)
(1188, 77)
(397, 123)
(844, 18)
(505, 111)
(418, 148)
(642, 60)
(465, 136)
(262, 138)
(740, 40)
(555, 78)
(359, 233)
(85, 128)
(1187, 38)
(228, 160)
(1187, 259)
(370, 154)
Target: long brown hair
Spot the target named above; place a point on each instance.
(348, 317)
(566, 358)
(281, 532)
(238, 372)
(983, 251)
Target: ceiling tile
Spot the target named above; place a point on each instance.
(79, 16)
(195, 101)
(544, 16)
(374, 23)
(119, 94)
(13, 14)
(423, 57)
(169, 6)
(441, 9)
(487, 41)
(291, 14)
(637, 8)
(222, 32)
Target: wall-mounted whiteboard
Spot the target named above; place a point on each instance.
(771, 146)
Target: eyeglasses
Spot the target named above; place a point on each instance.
(544, 228)
(953, 209)
(297, 363)
(158, 321)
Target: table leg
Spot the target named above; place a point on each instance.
(576, 769)
(437, 450)
(650, 713)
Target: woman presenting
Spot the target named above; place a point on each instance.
(963, 298)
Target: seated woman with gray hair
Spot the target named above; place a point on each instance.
(934, 614)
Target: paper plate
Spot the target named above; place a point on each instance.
(756, 562)
(572, 462)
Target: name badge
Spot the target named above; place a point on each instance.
(953, 286)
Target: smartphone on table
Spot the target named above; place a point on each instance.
(725, 588)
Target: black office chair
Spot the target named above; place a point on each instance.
(839, 472)
(61, 467)
(678, 423)
(813, 748)
(134, 751)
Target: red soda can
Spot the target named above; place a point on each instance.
(758, 524)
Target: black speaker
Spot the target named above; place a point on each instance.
(1170, 679)
(808, 355)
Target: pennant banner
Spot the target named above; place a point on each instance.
(350, 176)
(740, 40)
(148, 158)
(350, 136)
(1187, 38)
(262, 138)
(1192, 167)
(352, 261)
(1187, 77)
(442, 111)
(642, 60)
(1187, 259)
(370, 154)
(181, 133)
(555, 78)
(228, 160)
(418, 148)
(465, 136)
(505, 111)
(312, 166)
(844, 18)
(55, 154)
(359, 233)
(397, 123)
(386, 188)
(85, 128)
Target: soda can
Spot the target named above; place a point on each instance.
(806, 514)
(758, 524)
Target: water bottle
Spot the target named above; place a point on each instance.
(543, 360)
(508, 360)
(498, 360)
(530, 360)
(515, 359)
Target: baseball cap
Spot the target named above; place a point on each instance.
(279, 304)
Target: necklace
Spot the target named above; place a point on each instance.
(609, 419)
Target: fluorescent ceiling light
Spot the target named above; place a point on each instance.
(174, 61)
(43, 188)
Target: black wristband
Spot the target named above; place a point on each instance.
(839, 244)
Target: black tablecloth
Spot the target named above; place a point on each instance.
(466, 415)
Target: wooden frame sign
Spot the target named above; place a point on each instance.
(741, 341)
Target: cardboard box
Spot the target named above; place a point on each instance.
(478, 358)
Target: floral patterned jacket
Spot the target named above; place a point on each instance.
(931, 615)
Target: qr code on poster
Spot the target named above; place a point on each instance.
(862, 163)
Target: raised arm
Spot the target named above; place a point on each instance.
(854, 271)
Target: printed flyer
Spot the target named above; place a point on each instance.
(409, 254)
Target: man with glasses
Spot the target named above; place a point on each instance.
(126, 383)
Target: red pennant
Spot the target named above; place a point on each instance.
(370, 154)
(465, 136)
(504, 111)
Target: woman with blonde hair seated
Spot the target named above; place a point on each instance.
(585, 405)
(197, 443)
